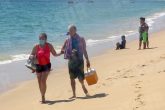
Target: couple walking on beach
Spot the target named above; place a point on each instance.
(74, 49)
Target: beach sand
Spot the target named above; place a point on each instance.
(129, 79)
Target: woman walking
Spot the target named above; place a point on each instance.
(42, 53)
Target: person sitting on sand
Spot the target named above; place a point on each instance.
(74, 49)
(121, 45)
(42, 52)
(143, 33)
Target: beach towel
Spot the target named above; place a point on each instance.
(68, 48)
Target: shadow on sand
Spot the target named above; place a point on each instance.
(101, 95)
(152, 48)
(57, 101)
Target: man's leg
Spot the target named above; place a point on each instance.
(83, 86)
(73, 85)
(147, 43)
(140, 43)
(144, 45)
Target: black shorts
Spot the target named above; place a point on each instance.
(43, 68)
(76, 69)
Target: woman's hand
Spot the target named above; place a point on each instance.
(58, 54)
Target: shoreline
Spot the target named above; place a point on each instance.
(151, 18)
(58, 63)
(125, 82)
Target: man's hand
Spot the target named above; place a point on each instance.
(88, 64)
(62, 52)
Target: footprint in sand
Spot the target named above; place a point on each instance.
(115, 78)
(139, 96)
(125, 76)
(139, 87)
(135, 108)
(142, 74)
(143, 65)
(137, 91)
(103, 84)
(132, 76)
(161, 71)
(136, 99)
(139, 81)
(141, 102)
(152, 61)
(111, 78)
(118, 71)
(127, 71)
(108, 78)
(137, 84)
(162, 57)
(138, 106)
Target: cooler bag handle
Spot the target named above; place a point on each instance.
(89, 69)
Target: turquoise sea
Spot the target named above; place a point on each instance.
(22, 21)
(99, 21)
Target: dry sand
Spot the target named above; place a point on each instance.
(129, 79)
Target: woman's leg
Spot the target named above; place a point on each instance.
(39, 81)
(43, 85)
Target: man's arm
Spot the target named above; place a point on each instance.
(63, 47)
(146, 28)
(85, 53)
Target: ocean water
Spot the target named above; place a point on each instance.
(99, 21)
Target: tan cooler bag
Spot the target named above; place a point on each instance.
(91, 76)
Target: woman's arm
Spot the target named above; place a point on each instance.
(33, 52)
(52, 50)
